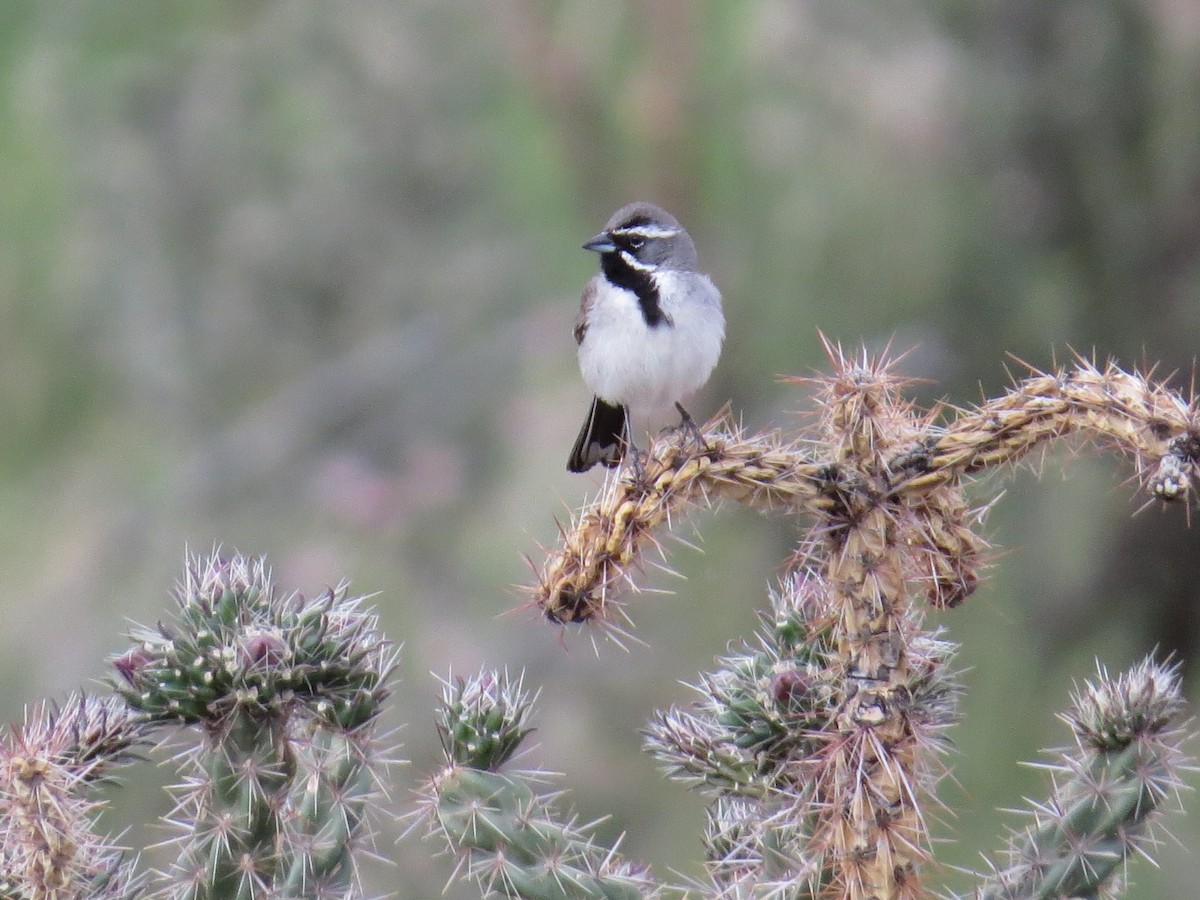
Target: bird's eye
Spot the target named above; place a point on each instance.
(636, 243)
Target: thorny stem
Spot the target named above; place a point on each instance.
(884, 484)
(1124, 410)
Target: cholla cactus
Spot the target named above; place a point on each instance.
(49, 768)
(817, 743)
(505, 834)
(819, 746)
(286, 694)
(1125, 764)
(758, 743)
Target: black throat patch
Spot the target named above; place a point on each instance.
(641, 283)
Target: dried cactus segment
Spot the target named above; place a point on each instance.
(946, 553)
(605, 546)
(841, 725)
(863, 413)
(893, 700)
(1127, 411)
(871, 447)
(48, 767)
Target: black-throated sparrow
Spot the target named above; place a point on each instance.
(649, 330)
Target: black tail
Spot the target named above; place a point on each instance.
(602, 439)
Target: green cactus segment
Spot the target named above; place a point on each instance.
(275, 814)
(760, 710)
(287, 691)
(1108, 790)
(330, 810)
(752, 848)
(512, 844)
(1077, 849)
(507, 835)
(236, 643)
(238, 812)
(700, 753)
(747, 743)
(483, 720)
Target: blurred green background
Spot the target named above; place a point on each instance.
(298, 278)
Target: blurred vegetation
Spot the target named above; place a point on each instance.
(298, 278)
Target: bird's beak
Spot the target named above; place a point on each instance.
(601, 243)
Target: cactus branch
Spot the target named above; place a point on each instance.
(1108, 790)
(505, 833)
(286, 693)
(911, 456)
(48, 769)
(883, 484)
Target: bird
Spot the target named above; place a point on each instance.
(649, 332)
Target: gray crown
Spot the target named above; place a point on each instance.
(650, 234)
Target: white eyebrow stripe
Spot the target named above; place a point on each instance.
(647, 232)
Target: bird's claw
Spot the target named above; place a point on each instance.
(688, 424)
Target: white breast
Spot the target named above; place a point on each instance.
(625, 361)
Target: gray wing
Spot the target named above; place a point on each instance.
(585, 308)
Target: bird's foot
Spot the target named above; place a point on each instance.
(637, 461)
(688, 424)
